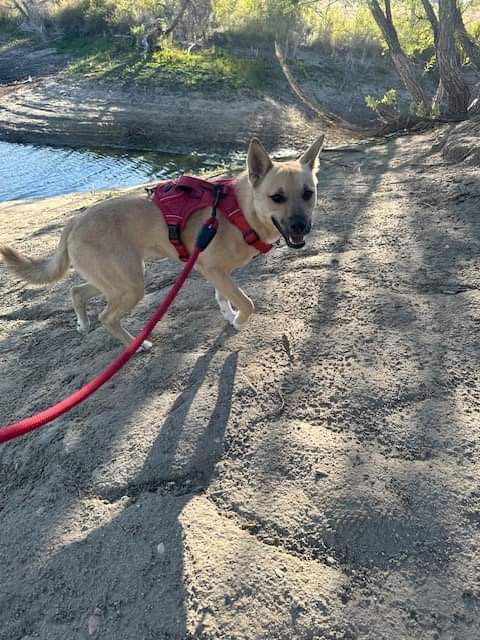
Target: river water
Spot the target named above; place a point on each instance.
(29, 171)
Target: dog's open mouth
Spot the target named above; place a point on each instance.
(293, 240)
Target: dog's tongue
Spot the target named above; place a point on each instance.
(297, 239)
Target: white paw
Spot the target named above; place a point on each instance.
(227, 312)
(145, 346)
(83, 327)
(236, 322)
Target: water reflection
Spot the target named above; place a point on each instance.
(28, 171)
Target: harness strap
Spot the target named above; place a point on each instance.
(249, 235)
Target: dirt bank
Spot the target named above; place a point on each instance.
(75, 113)
(40, 102)
(316, 476)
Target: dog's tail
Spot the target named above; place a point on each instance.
(40, 270)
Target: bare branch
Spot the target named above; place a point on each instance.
(432, 18)
(329, 117)
(177, 19)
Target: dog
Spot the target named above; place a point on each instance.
(108, 243)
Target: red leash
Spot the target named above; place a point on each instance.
(40, 419)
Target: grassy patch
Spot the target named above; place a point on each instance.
(102, 58)
(11, 36)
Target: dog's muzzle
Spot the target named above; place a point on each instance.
(295, 236)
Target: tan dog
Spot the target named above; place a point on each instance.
(108, 243)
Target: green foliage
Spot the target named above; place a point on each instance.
(335, 25)
(104, 36)
(340, 27)
(95, 17)
(8, 22)
(424, 112)
(208, 69)
(389, 99)
(413, 28)
(341, 24)
(258, 19)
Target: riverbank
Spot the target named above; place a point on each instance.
(315, 476)
(85, 97)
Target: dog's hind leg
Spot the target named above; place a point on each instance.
(81, 294)
(118, 275)
(119, 304)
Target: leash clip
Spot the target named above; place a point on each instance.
(207, 233)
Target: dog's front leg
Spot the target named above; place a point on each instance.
(225, 307)
(227, 293)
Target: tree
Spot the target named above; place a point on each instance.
(447, 28)
(404, 65)
(457, 93)
(432, 18)
(32, 13)
(157, 31)
(471, 49)
(468, 45)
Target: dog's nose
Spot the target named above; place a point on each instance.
(299, 225)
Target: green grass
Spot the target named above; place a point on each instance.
(101, 58)
(11, 36)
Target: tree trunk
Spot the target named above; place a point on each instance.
(21, 9)
(456, 90)
(471, 49)
(404, 66)
(432, 18)
(177, 18)
(157, 32)
(438, 98)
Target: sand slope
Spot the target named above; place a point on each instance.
(313, 477)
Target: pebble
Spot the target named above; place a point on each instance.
(94, 622)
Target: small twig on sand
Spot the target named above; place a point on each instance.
(279, 411)
(250, 384)
(286, 346)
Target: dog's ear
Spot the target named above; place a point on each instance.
(310, 156)
(258, 162)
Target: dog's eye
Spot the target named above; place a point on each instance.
(307, 194)
(278, 198)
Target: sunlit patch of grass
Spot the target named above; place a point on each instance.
(210, 68)
(11, 36)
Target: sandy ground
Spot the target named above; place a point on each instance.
(313, 477)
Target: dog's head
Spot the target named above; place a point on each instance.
(285, 193)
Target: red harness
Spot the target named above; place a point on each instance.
(178, 199)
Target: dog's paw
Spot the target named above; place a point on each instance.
(83, 327)
(227, 312)
(145, 346)
(236, 324)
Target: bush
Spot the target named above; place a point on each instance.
(97, 17)
(254, 20)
